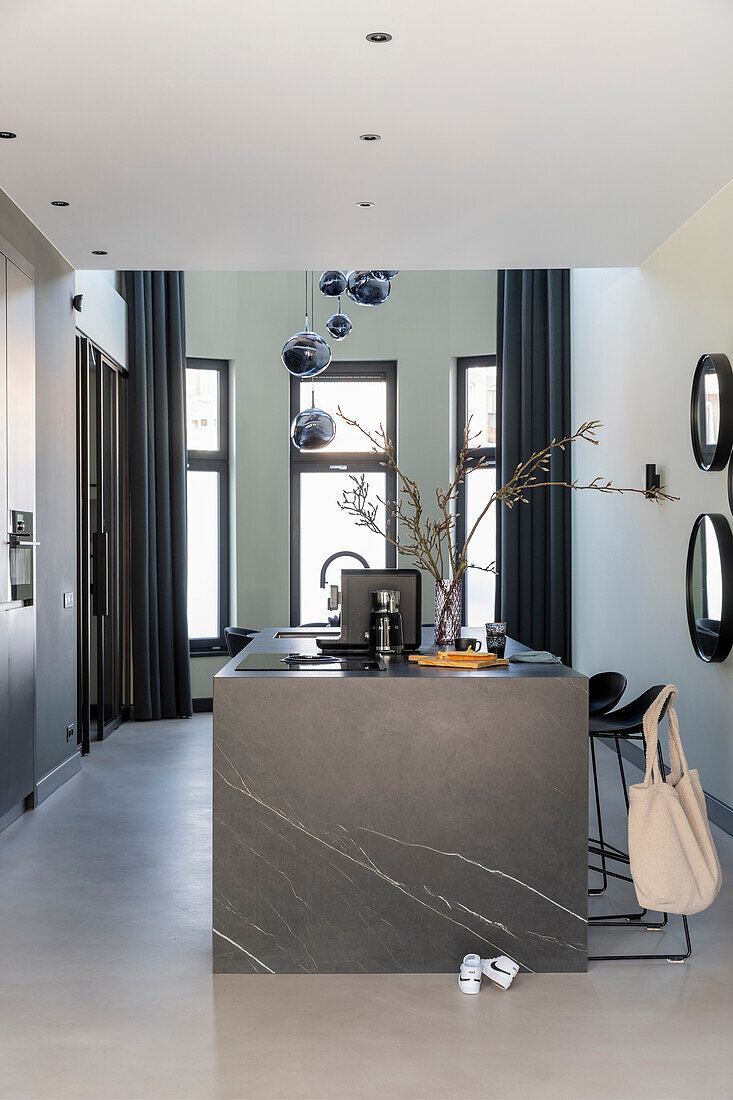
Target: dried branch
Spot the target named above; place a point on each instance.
(430, 542)
(491, 568)
(422, 540)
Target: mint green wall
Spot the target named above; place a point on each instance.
(431, 318)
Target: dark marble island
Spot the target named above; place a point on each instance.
(387, 821)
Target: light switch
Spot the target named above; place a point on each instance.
(68, 599)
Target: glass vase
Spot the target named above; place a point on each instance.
(447, 611)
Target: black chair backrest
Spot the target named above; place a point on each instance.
(604, 691)
(646, 700)
(633, 713)
(237, 637)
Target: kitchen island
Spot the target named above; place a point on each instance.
(389, 821)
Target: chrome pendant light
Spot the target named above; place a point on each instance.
(339, 325)
(384, 274)
(364, 289)
(313, 428)
(332, 284)
(306, 354)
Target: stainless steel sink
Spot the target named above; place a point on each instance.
(325, 631)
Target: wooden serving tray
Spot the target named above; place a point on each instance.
(473, 661)
(465, 655)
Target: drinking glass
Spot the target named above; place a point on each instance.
(496, 638)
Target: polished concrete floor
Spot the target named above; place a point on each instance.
(106, 988)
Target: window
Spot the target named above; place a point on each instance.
(207, 434)
(477, 403)
(366, 392)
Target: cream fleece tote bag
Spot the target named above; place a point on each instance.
(674, 864)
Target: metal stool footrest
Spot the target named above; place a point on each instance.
(663, 957)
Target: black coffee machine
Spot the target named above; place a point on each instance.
(357, 586)
(385, 623)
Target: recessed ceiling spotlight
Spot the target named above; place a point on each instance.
(379, 36)
(98, 252)
(370, 137)
(7, 134)
(59, 202)
(365, 205)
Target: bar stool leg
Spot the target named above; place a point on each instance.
(598, 892)
(634, 918)
(642, 913)
(623, 773)
(611, 852)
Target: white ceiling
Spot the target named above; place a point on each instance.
(223, 133)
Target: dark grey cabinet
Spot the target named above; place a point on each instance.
(6, 785)
(19, 535)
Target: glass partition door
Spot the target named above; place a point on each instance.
(103, 515)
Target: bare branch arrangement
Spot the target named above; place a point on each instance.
(430, 541)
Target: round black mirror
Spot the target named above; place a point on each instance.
(710, 587)
(711, 412)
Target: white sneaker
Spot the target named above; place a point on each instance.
(469, 976)
(502, 970)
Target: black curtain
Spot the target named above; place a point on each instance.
(157, 462)
(533, 540)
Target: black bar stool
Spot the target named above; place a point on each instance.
(237, 637)
(626, 723)
(604, 692)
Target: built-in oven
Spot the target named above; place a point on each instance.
(21, 542)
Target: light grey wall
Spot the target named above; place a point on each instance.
(431, 318)
(103, 316)
(637, 335)
(56, 487)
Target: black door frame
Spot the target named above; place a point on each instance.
(349, 462)
(102, 553)
(216, 462)
(475, 454)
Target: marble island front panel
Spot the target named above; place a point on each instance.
(375, 823)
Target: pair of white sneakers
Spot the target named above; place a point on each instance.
(502, 971)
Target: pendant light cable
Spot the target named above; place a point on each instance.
(313, 310)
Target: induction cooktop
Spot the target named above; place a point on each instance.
(310, 662)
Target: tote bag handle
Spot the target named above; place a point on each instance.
(651, 735)
(677, 759)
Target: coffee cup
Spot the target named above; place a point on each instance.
(496, 638)
(462, 644)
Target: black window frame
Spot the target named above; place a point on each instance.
(350, 462)
(217, 461)
(475, 454)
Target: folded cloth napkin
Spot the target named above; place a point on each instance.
(535, 657)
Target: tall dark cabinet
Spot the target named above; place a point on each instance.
(21, 533)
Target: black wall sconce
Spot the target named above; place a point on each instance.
(653, 479)
(76, 302)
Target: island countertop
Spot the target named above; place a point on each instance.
(397, 820)
(289, 639)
